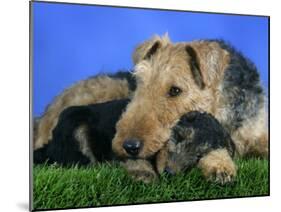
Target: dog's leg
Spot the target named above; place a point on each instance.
(45, 126)
(81, 135)
(251, 139)
(162, 157)
(140, 170)
(218, 166)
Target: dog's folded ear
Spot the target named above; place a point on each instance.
(195, 67)
(146, 49)
(207, 61)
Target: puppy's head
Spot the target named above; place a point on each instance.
(194, 136)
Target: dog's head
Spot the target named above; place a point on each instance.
(172, 79)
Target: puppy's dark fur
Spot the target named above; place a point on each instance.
(194, 136)
(99, 120)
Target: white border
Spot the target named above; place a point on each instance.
(14, 54)
(237, 6)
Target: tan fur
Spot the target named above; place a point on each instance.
(140, 170)
(213, 61)
(35, 129)
(218, 166)
(151, 113)
(252, 138)
(93, 90)
(80, 135)
(142, 49)
(162, 157)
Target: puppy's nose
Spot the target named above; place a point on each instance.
(132, 146)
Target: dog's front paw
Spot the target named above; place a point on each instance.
(144, 176)
(140, 170)
(217, 166)
(221, 174)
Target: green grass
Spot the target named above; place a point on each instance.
(57, 187)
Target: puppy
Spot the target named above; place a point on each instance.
(194, 137)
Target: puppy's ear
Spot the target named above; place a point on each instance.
(148, 48)
(190, 117)
(207, 61)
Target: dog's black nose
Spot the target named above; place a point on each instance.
(132, 146)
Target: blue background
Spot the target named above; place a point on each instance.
(73, 42)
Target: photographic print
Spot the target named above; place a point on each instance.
(140, 106)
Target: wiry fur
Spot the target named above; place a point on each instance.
(194, 139)
(218, 166)
(213, 77)
(83, 134)
(93, 90)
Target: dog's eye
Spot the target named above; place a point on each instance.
(174, 91)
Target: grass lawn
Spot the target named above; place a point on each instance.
(105, 184)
